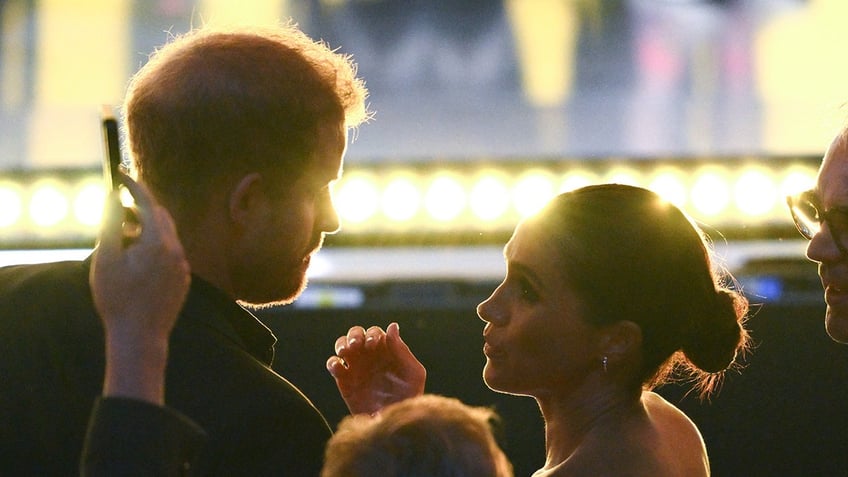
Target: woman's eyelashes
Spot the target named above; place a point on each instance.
(528, 292)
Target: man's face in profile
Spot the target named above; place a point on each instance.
(832, 194)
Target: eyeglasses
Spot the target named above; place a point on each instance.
(809, 215)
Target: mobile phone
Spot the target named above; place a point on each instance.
(111, 148)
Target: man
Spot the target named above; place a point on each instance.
(821, 216)
(133, 432)
(239, 135)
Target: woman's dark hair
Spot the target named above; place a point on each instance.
(630, 255)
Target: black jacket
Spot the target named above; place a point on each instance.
(132, 438)
(219, 375)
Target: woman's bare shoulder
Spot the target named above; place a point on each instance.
(659, 442)
(678, 438)
(667, 418)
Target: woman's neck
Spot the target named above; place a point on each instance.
(571, 418)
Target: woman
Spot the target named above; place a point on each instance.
(608, 290)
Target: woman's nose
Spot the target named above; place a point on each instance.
(489, 311)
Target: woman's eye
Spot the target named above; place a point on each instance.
(527, 291)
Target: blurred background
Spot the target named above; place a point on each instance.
(483, 111)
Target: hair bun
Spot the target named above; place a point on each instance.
(716, 339)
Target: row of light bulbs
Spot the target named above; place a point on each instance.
(387, 198)
(714, 193)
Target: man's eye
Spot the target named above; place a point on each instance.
(838, 218)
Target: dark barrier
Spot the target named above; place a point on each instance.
(785, 414)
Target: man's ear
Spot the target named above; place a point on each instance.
(620, 340)
(247, 199)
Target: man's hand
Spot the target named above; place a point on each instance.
(375, 368)
(139, 280)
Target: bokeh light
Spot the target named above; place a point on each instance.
(12, 204)
(489, 196)
(48, 204)
(89, 201)
(445, 198)
(575, 179)
(357, 198)
(401, 198)
(710, 193)
(620, 174)
(670, 185)
(797, 179)
(532, 191)
(755, 192)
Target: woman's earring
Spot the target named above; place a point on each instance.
(605, 363)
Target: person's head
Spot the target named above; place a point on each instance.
(248, 126)
(821, 215)
(426, 436)
(613, 282)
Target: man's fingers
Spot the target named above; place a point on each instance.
(110, 232)
(146, 209)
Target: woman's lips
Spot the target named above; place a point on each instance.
(492, 351)
(835, 295)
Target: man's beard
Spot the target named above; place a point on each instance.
(283, 295)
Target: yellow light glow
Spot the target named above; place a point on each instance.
(546, 33)
(445, 198)
(48, 205)
(357, 199)
(10, 212)
(670, 185)
(88, 204)
(237, 12)
(532, 191)
(755, 192)
(622, 175)
(489, 197)
(401, 199)
(710, 193)
(797, 179)
(576, 179)
(83, 54)
(797, 75)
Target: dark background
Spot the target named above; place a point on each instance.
(785, 414)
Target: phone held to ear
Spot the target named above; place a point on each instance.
(111, 148)
(112, 168)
